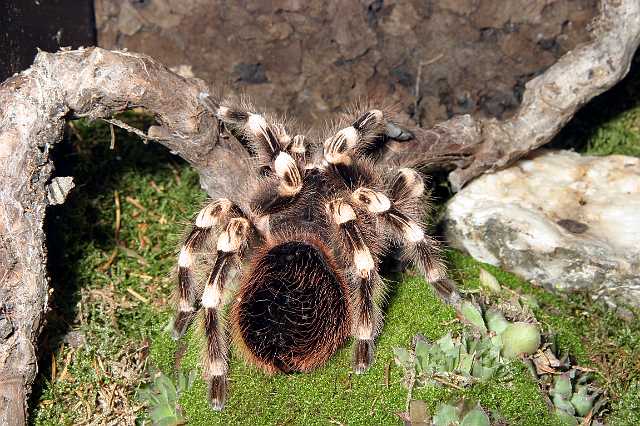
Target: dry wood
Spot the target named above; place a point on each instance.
(97, 83)
(471, 146)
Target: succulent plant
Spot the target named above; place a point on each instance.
(461, 360)
(463, 412)
(473, 315)
(450, 415)
(162, 398)
(520, 338)
(495, 321)
(489, 282)
(572, 397)
(482, 352)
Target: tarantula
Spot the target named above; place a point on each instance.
(310, 237)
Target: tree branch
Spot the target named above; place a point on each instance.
(473, 146)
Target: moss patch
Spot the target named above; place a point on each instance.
(334, 394)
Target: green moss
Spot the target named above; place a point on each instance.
(553, 312)
(620, 135)
(331, 392)
(626, 412)
(610, 123)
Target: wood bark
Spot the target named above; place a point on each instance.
(98, 83)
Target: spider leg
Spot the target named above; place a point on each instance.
(298, 148)
(264, 139)
(207, 224)
(277, 192)
(367, 287)
(399, 211)
(352, 140)
(364, 138)
(229, 247)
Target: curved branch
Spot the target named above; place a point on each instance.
(473, 146)
(92, 83)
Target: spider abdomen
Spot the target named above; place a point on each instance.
(292, 312)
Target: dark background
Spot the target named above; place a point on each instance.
(26, 25)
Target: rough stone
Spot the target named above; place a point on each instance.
(559, 219)
(309, 59)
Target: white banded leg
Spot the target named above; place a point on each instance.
(422, 250)
(280, 190)
(266, 139)
(366, 285)
(298, 148)
(288, 172)
(406, 185)
(229, 245)
(207, 225)
(339, 148)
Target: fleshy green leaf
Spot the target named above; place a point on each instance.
(496, 322)
(402, 357)
(446, 415)
(562, 386)
(519, 338)
(473, 315)
(475, 417)
(566, 418)
(489, 282)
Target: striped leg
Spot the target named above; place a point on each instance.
(297, 148)
(264, 139)
(367, 286)
(229, 246)
(353, 140)
(283, 189)
(207, 225)
(406, 190)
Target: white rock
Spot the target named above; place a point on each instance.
(560, 219)
(59, 188)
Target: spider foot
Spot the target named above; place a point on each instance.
(362, 356)
(217, 392)
(181, 323)
(447, 291)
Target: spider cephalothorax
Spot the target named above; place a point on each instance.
(310, 236)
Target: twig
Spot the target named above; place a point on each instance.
(53, 368)
(112, 145)
(585, 369)
(587, 420)
(75, 131)
(387, 371)
(146, 138)
(105, 266)
(135, 203)
(116, 197)
(67, 362)
(155, 186)
(417, 95)
(137, 295)
(371, 410)
(445, 382)
(416, 104)
(412, 383)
